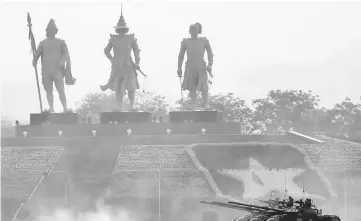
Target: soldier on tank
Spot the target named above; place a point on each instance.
(123, 76)
(195, 73)
(54, 59)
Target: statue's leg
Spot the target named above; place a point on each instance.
(193, 96)
(59, 84)
(205, 96)
(119, 92)
(48, 87)
(119, 96)
(131, 96)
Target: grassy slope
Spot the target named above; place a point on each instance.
(21, 170)
(90, 170)
(341, 162)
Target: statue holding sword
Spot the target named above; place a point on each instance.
(123, 76)
(196, 77)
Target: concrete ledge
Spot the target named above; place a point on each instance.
(116, 130)
(305, 137)
(353, 139)
(117, 141)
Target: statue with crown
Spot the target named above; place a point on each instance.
(123, 77)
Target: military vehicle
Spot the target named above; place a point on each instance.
(278, 210)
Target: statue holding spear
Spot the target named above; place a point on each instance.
(55, 63)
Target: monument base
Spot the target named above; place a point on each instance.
(125, 117)
(54, 118)
(80, 130)
(195, 116)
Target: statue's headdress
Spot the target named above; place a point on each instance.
(198, 26)
(51, 26)
(121, 23)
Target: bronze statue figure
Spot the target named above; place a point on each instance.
(195, 73)
(123, 76)
(55, 62)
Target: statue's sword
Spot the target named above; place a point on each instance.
(138, 69)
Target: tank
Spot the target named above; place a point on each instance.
(278, 210)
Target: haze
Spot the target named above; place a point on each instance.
(257, 47)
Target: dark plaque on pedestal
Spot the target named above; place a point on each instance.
(125, 117)
(54, 118)
(37, 119)
(195, 116)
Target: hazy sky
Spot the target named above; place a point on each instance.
(257, 47)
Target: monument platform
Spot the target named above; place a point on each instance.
(126, 123)
(90, 142)
(81, 130)
(186, 127)
(155, 165)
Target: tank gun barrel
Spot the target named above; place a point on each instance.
(244, 207)
(258, 207)
(272, 201)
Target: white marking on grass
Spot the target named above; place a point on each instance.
(113, 172)
(202, 169)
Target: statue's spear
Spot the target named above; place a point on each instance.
(33, 50)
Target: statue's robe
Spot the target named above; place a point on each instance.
(195, 73)
(123, 74)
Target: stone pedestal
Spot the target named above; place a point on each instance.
(54, 118)
(195, 116)
(125, 117)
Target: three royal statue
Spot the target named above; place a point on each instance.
(123, 77)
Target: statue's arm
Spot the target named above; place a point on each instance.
(64, 53)
(209, 53)
(181, 54)
(38, 53)
(136, 51)
(107, 50)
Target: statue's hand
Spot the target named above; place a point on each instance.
(35, 63)
(209, 69)
(179, 71)
(136, 66)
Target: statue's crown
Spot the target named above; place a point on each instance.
(121, 22)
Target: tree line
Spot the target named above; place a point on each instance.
(277, 112)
